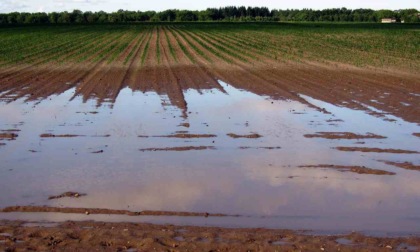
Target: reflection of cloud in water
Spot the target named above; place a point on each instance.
(225, 180)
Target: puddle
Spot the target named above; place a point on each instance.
(344, 241)
(179, 238)
(280, 243)
(40, 224)
(257, 144)
(407, 247)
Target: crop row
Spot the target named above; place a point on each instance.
(211, 43)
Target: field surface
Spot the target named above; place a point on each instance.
(282, 126)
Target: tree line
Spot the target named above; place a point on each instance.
(227, 14)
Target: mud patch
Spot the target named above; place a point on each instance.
(185, 135)
(416, 134)
(264, 148)
(343, 135)
(181, 148)
(404, 165)
(74, 210)
(8, 136)
(68, 195)
(253, 135)
(48, 135)
(378, 150)
(91, 236)
(354, 169)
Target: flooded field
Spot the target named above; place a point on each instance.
(210, 137)
(265, 162)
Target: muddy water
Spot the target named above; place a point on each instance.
(119, 156)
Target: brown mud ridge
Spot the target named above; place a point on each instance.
(343, 135)
(181, 148)
(63, 135)
(253, 135)
(93, 236)
(404, 165)
(46, 209)
(355, 169)
(48, 135)
(266, 148)
(416, 134)
(8, 136)
(68, 195)
(378, 150)
(186, 135)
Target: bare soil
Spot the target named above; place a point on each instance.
(46, 209)
(404, 165)
(68, 195)
(8, 136)
(266, 148)
(354, 169)
(253, 135)
(186, 135)
(48, 135)
(342, 135)
(181, 148)
(92, 236)
(378, 150)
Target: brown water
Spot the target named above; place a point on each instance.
(258, 178)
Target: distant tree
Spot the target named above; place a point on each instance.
(186, 15)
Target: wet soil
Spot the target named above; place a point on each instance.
(48, 135)
(46, 209)
(8, 136)
(354, 169)
(404, 165)
(68, 194)
(186, 135)
(253, 135)
(265, 148)
(378, 150)
(343, 135)
(90, 236)
(181, 148)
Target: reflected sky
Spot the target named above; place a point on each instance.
(228, 179)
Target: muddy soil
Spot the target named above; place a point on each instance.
(8, 136)
(45, 209)
(354, 169)
(187, 135)
(92, 236)
(67, 194)
(378, 150)
(253, 135)
(379, 91)
(181, 148)
(404, 165)
(343, 135)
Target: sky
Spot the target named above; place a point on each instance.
(159, 5)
